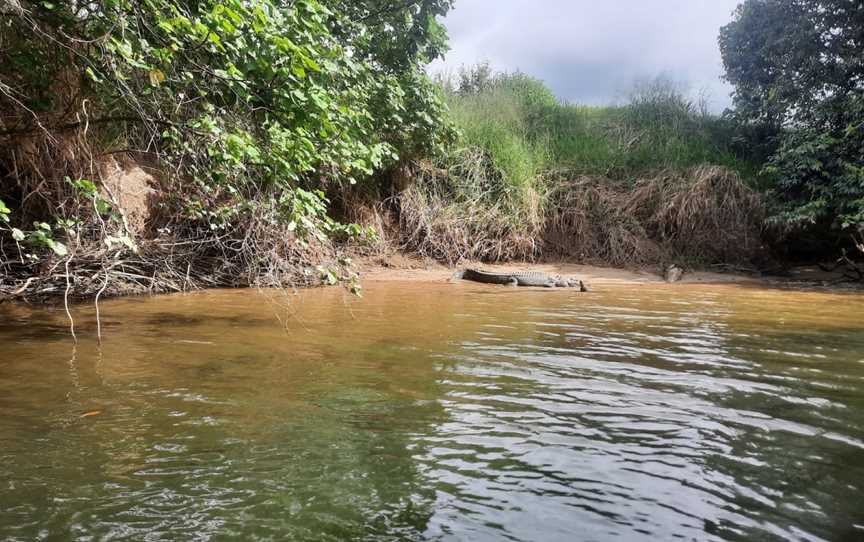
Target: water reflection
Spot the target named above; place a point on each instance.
(438, 412)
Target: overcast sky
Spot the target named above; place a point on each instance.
(591, 51)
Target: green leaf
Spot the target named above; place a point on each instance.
(92, 75)
(298, 71)
(85, 186)
(310, 63)
(58, 247)
(102, 206)
(17, 234)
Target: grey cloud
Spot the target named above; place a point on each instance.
(591, 51)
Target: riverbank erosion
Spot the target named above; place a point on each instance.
(162, 148)
(706, 222)
(131, 225)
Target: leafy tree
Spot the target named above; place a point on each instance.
(798, 69)
(254, 106)
(398, 35)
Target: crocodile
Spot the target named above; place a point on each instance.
(521, 278)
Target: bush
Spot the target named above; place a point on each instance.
(796, 68)
(253, 109)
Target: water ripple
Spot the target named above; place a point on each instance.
(419, 414)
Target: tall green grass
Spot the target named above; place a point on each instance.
(527, 132)
(652, 180)
(496, 123)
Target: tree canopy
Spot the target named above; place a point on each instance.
(798, 68)
(241, 97)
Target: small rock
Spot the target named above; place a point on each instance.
(673, 273)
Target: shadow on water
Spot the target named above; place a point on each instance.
(437, 412)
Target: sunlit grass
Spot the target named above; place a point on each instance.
(528, 132)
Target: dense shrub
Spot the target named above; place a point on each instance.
(797, 71)
(251, 110)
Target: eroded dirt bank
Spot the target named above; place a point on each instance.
(403, 268)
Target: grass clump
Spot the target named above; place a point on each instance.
(654, 179)
(462, 208)
(496, 125)
(704, 215)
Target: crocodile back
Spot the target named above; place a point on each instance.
(524, 278)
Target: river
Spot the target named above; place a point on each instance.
(437, 412)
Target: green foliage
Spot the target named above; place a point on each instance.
(342, 273)
(4, 212)
(527, 164)
(42, 236)
(528, 133)
(89, 191)
(254, 105)
(797, 69)
(496, 122)
(45, 236)
(397, 36)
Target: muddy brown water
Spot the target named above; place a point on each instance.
(437, 412)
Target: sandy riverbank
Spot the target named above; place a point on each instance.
(403, 268)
